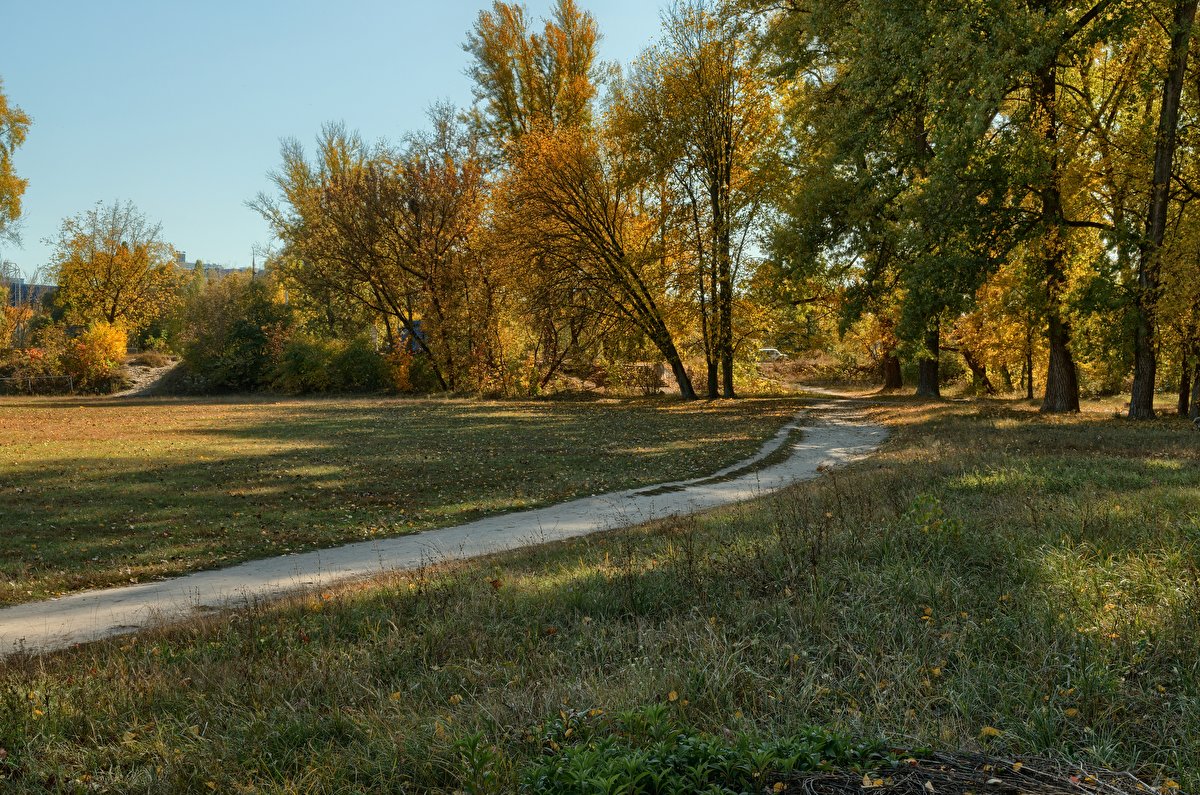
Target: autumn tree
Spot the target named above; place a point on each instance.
(396, 231)
(111, 264)
(699, 109)
(14, 124)
(526, 81)
(529, 81)
(572, 201)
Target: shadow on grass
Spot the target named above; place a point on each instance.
(229, 480)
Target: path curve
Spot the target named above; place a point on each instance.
(832, 433)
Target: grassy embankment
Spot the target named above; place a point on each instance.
(993, 578)
(96, 492)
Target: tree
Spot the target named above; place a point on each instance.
(396, 230)
(1141, 404)
(573, 202)
(700, 110)
(528, 81)
(900, 186)
(111, 265)
(14, 124)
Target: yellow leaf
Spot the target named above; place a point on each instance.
(989, 731)
(1017, 766)
(1071, 712)
(778, 786)
(455, 699)
(1170, 784)
(672, 696)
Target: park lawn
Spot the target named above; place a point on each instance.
(103, 492)
(992, 580)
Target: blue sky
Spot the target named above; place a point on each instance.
(180, 106)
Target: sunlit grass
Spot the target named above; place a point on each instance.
(96, 492)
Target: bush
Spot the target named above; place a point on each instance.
(358, 367)
(311, 364)
(235, 333)
(149, 359)
(304, 365)
(95, 358)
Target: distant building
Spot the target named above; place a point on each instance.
(182, 263)
(22, 293)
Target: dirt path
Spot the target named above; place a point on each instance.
(832, 433)
(143, 380)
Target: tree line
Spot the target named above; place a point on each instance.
(1004, 186)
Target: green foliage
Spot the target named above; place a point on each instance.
(303, 365)
(234, 330)
(648, 752)
(358, 367)
(310, 364)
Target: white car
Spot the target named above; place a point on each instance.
(770, 354)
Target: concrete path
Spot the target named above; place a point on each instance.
(833, 434)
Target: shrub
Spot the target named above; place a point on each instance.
(95, 358)
(304, 365)
(309, 364)
(235, 333)
(358, 367)
(149, 359)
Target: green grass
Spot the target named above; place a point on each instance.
(992, 580)
(96, 492)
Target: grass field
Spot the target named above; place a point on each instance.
(993, 580)
(96, 493)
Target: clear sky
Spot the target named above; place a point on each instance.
(179, 106)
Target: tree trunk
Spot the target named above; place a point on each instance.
(1185, 385)
(893, 376)
(979, 377)
(714, 387)
(725, 335)
(681, 377)
(1195, 410)
(666, 346)
(929, 372)
(1062, 380)
(1145, 364)
(1029, 365)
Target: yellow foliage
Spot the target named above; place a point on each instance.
(94, 359)
(111, 265)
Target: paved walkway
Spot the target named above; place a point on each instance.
(834, 433)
